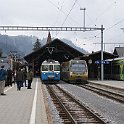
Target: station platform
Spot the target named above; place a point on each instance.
(23, 107)
(111, 83)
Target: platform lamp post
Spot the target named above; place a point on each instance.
(84, 14)
(102, 67)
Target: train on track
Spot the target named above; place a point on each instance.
(115, 69)
(50, 70)
(74, 71)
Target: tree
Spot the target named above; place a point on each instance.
(37, 45)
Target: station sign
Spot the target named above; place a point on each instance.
(102, 62)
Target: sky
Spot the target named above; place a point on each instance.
(52, 13)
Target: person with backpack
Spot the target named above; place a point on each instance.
(29, 78)
(3, 75)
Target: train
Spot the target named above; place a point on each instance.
(115, 69)
(50, 70)
(74, 71)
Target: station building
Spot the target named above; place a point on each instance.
(53, 49)
(60, 51)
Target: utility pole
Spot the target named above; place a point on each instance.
(102, 67)
(84, 14)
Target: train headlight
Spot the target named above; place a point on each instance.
(44, 73)
(57, 73)
(71, 73)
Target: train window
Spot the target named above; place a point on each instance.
(56, 67)
(78, 67)
(50, 67)
(44, 67)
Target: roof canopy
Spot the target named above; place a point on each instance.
(119, 51)
(97, 56)
(56, 50)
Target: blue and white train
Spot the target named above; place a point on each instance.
(50, 70)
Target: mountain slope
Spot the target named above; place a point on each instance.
(24, 44)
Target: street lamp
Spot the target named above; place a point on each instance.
(84, 14)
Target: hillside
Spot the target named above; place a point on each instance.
(24, 44)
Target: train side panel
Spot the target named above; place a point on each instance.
(115, 70)
(118, 70)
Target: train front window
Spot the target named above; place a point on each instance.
(44, 67)
(78, 67)
(50, 67)
(56, 67)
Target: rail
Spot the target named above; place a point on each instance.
(76, 112)
(114, 94)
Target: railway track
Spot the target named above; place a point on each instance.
(109, 92)
(71, 110)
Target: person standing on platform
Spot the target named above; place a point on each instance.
(9, 77)
(19, 78)
(29, 78)
(3, 75)
(25, 77)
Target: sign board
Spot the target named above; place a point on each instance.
(102, 62)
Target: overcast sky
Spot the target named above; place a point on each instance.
(109, 13)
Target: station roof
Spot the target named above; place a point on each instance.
(94, 56)
(56, 50)
(119, 51)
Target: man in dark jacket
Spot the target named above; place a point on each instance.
(19, 78)
(3, 75)
(29, 78)
(25, 77)
(9, 77)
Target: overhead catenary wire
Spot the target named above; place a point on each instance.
(86, 13)
(111, 26)
(63, 11)
(105, 10)
(101, 14)
(97, 36)
(67, 15)
(115, 24)
(69, 12)
(60, 6)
